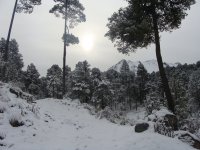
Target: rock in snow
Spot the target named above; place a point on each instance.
(141, 127)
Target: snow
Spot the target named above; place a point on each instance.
(150, 65)
(67, 125)
(137, 116)
(162, 112)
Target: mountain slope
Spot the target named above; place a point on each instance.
(67, 125)
(150, 65)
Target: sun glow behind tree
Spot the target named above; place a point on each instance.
(87, 42)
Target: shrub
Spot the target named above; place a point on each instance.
(2, 107)
(161, 128)
(15, 120)
(2, 136)
(154, 102)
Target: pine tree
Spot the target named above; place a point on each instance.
(141, 80)
(96, 78)
(72, 12)
(32, 79)
(15, 63)
(124, 72)
(102, 95)
(81, 82)
(138, 25)
(112, 75)
(154, 97)
(54, 81)
(43, 88)
(22, 5)
(26, 6)
(194, 86)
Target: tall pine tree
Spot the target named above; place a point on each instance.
(141, 80)
(72, 12)
(138, 25)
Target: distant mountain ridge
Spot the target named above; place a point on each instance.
(150, 65)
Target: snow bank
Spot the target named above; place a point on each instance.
(67, 125)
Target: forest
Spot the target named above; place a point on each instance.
(112, 94)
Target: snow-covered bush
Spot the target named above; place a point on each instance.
(2, 136)
(2, 107)
(90, 108)
(192, 124)
(165, 122)
(34, 109)
(188, 138)
(153, 102)
(105, 113)
(20, 94)
(18, 84)
(113, 116)
(15, 120)
(161, 128)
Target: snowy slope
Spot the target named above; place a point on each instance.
(66, 125)
(150, 65)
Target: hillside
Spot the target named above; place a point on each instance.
(67, 125)
(150, 65)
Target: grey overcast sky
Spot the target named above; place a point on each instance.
(39, 36)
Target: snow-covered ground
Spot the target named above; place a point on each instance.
(67, 125)
(137, 116)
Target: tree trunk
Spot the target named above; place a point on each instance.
(64, 53)
(53, 91)
(164, 80)
(8, 39)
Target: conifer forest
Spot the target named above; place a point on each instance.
(130, 97)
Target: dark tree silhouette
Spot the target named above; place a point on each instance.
(22, 5)
(72, 12)
(138, 25)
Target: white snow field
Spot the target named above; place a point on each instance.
(66, 125)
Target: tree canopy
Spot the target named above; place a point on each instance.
(75, 10)
(132, 27)
(27, 6)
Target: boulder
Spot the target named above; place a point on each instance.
(141, 127)
(171, 121)
(168, 119)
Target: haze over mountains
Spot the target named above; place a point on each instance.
(150, 65)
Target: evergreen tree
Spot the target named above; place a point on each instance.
(141, 80)
(154, 97)
(102, 95)
(138, 25)
(81, 83)
(22, 5)
(15, 63)
(115, 87)
(198, 64)
(96, 74)
(96, 78)
(32, 79)
(43, 88)
(26, 6)
(194, 86)
(72, 12)
(54, 81)
(124, 72)
(112, 75)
